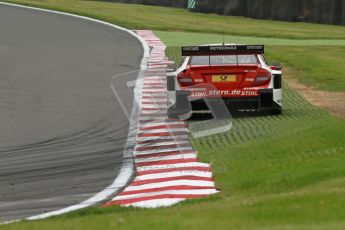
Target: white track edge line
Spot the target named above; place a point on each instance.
(126, 173)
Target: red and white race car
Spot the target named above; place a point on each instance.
(237, 74)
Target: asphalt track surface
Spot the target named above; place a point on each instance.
(62, 131)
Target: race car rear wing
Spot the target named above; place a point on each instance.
(222, 50)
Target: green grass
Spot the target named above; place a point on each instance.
(274, 172)
(314, 67)
(171, 19)
(322, 67)
(193, 38)
(319, 66)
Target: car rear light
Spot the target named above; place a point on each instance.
(263, 77)
(276, 67)
(185, 80)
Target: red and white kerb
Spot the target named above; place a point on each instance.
(167, 169)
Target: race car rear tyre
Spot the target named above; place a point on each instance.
(276, 111)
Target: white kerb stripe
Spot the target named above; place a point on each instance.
(153, 151)
(174, 192)
(172, 166)
(174, 174)
(158, 138)
(162, 143)
(157, 159)
(164, 130)
(155, 203)
(201, 183)
(153, 123)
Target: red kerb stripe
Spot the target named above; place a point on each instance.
(178, 187)
(164, 126)
(144, 148)
(171, 153)
(166, 162)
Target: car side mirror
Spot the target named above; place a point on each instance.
(276, 66)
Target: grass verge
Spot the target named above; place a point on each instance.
(322, 67)
(190, 38)
(319, 66)
(172, 19)
(275, 172)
